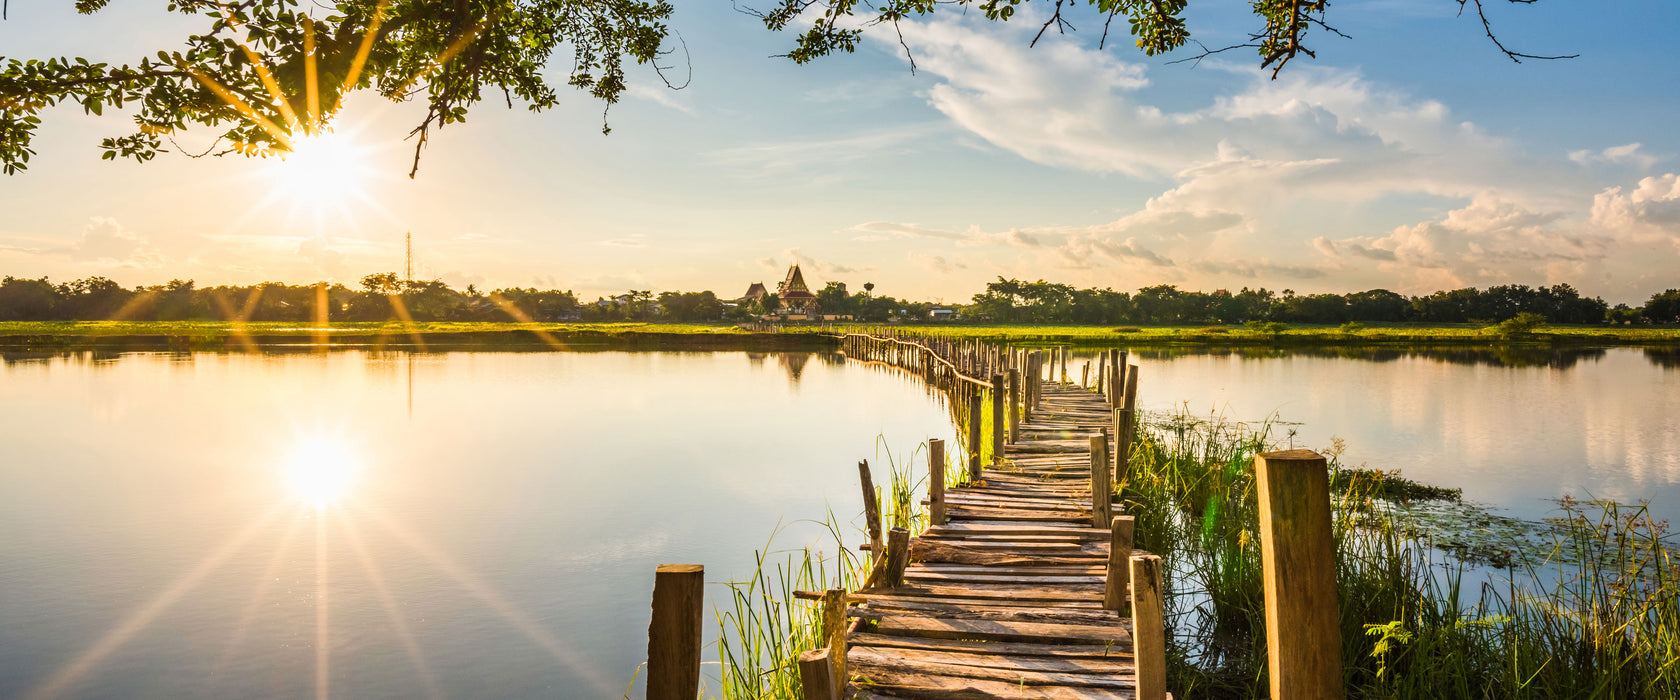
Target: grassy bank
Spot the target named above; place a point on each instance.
(1289, 334)
(210, 335)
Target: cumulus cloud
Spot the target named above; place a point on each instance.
(1648, 212)
(1489, 240)
(322, 254)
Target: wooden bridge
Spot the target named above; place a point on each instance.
(1019, 587)
(1023, 584)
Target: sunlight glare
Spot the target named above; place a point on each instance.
(320, 470)
(328, 167)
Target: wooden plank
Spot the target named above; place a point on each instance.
(1004, 578)
(1001, 631)
(913, 596)
(981, 610)
(975, 527)
(873, 661)
(1001, 591)
(885, 656)
(921, 686)
(1065, 651)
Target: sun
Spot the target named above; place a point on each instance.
(328, 167)
(320, 470)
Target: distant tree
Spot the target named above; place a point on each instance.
(1663, 307)
(832, 298)
(27, 300)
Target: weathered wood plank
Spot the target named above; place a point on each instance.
(922, 686)
(1001, 631)
(1122, 651)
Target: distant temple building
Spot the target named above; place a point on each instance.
(755, 293)
(797, 299)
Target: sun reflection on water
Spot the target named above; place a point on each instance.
(321, 470)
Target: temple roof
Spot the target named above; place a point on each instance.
(794, 286)
(755, 291)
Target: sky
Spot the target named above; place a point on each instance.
(1412, 157)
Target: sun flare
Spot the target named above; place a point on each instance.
(322, 168)
(321, 470)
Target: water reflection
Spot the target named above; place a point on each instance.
(290, 512)
(1494, 356)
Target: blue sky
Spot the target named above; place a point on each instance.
(1412, 157)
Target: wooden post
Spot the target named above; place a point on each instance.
(1303, 635)
(1085, 375)
(1129, 401)
(998, 418)
(1119, 582)
(936, 485)
(974, 405)
(1102, 508)
(834, 632)
(897, 558)
(1102, 373)
(674, 633)
(816, 679)
(1014, 404)
(1122, 446)
(1149, 639)
(871, 507)
(1063, 351)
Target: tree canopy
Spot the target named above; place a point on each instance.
(265, 72)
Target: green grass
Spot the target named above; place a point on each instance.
(1298, 334)
(222, 329)
(1590, 610)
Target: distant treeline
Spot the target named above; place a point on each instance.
(1015, 301)
(388, 297)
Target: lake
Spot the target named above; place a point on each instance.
(486, 524)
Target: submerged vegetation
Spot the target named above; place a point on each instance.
(1586, 604)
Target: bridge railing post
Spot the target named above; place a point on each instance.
(674, 632)
(1149, 639)
(1298, 557)
(1118, 583)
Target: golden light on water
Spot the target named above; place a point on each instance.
(321, 470)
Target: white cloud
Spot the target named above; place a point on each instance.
(1628, 154)
(1649, 212)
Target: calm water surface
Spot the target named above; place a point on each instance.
(486, 524)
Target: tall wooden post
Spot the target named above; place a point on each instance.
(936, 483)
(834, 632)
(1085, 375)
(1303, 634)
(1102, 373)
(1014, 404)
(1063, 351)
(674, 633)
(974, 405)
(1149, 639)
(998, 418)
(1119, 581)
(1122, 446)
(871, 507)
(1102, 508)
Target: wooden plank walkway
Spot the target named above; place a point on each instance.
(1006, 599)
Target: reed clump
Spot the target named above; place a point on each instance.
(1590, 609)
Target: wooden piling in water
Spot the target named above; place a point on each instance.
(1149, 639)
(999, 418)
(936, 483)
(1102, 506)
(871, 506)
(1303, 634)
(674, 632)
(1014, 404)
(1118, 582)
(974, 422)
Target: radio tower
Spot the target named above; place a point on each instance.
(408, 264)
